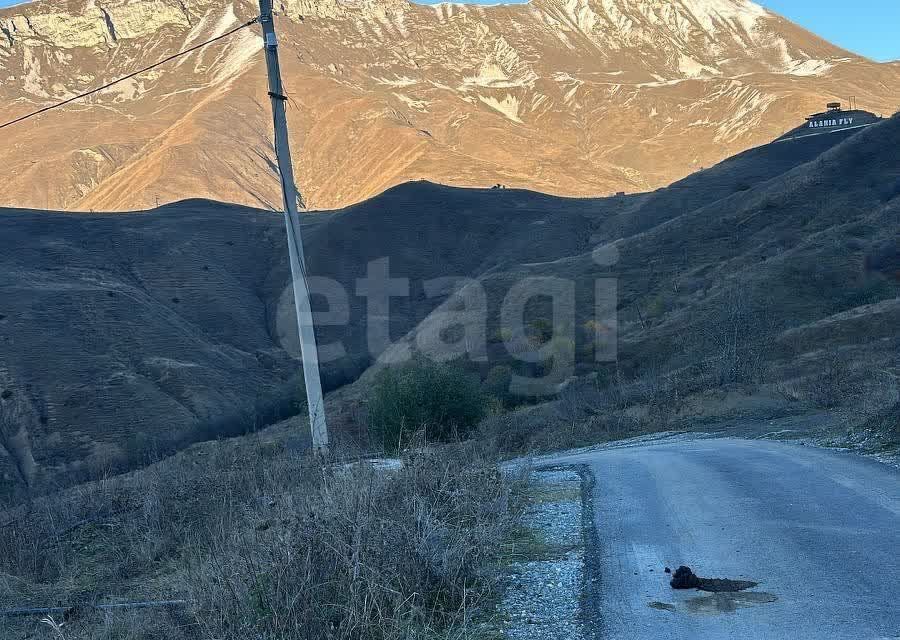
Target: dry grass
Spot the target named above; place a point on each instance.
(861, 389)
(265, 544)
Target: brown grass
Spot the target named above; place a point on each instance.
(265, 544)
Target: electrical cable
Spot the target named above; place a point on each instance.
(130, 75)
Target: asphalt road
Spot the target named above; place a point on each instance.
(819, 530)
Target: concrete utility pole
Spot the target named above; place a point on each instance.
(308, 350)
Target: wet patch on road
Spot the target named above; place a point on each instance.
(725, 595)
(715, 603)
(728, 601)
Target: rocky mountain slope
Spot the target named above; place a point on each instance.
(570, 97)
(124, 333)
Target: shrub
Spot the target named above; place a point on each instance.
(831, 385)
(498, 383)
(439, 401)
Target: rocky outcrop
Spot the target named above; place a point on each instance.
(17, 416)
(93, 26)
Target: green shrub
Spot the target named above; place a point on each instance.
(498, 383)
(439, 401)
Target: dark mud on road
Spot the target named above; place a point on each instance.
(685, 578)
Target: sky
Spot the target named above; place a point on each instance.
(867, 27)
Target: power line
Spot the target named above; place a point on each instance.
(130, 75)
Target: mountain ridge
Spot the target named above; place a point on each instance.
(572, 97)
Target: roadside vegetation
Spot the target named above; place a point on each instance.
(424, 400)
(263, 543)
(603, 406)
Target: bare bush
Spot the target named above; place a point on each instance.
(737, 341)
(831, 386)
(879, 405)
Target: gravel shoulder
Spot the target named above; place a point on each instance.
(545, 582)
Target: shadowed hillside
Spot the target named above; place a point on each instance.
(153, 329)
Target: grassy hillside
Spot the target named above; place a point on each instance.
(141, 332)
(783, 289)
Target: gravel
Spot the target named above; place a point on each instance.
(543, 597)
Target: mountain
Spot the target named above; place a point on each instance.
(121, 334)
(570, 97)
